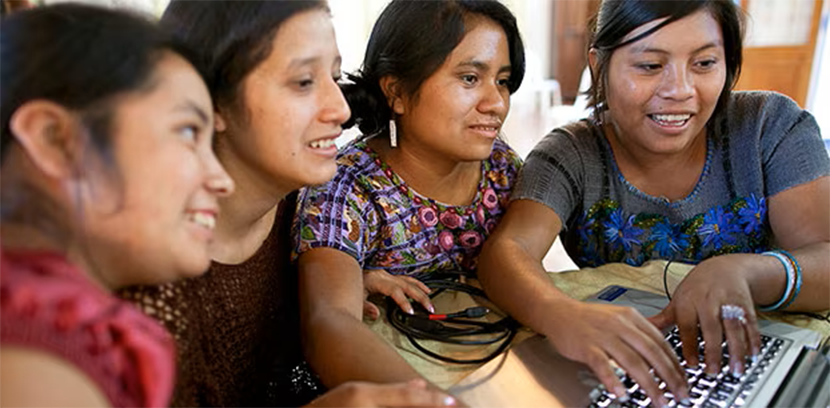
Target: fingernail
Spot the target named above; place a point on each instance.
(686, 401)
(622, 394)
(736, 370)
(410, 310)
(449, 402)
(754, 358)
(431, 309)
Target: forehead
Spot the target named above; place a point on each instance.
(696, 29)
(485, 40)
(304, 38)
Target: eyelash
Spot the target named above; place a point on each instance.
(469, 79)
(703, 65)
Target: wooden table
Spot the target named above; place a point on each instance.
(579, 284)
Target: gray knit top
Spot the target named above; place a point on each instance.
(765, 144)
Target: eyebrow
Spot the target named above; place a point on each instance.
(300, 62)
(190, 106)
(483, 66)
(644, 49)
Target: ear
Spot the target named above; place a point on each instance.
(392, 90)
(50, 135)
(219, 122)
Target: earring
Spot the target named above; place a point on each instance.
(393, 133)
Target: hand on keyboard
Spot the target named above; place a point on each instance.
(696, 308)
(711, 391)
(597, 334)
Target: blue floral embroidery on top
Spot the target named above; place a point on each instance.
(718, 228)
(606, 233)
(620, 231)
(669, 239)
(753, 215)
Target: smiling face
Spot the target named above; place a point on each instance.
(151, 219)
(662, 89)
(459, 110)
(293, 108)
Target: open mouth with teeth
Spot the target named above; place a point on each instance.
(203, 219)
(322, 144)
(670, 120)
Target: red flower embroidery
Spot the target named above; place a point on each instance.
(480, 215)
(445, 240)
(470, 239)
(490, 199)
(450, 219)
(427, 216)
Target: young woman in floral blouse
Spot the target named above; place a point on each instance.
(424, 186)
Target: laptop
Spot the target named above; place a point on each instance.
(791, 371)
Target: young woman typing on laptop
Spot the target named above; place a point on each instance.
(672, 165)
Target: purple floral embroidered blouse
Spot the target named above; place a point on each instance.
(370, 213)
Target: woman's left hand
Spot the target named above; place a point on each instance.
(399, 288)
(717, 297)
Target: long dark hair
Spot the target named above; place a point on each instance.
(231, 37)
(80, 57)
(617, 18)
(410, 41)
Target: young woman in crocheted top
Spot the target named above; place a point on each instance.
(272, 69)
(672, 166)
(108, 180)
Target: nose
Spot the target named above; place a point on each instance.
(218, 182)
(677, 83)
(334, 108)
(495, 101)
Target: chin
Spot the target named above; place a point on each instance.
(320, 177)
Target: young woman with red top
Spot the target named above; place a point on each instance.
(108, 180)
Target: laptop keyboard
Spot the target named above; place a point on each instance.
(720, 391)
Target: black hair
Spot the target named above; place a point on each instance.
(231, 37)
(84, 58)
(410, 41)
(80, 57)
(617, 18)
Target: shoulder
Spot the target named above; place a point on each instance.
(764, 113)
(25, 373)
(577, 143)
(581, 136)
(49, 305)
(761, 102)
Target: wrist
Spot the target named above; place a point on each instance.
(557, 313)
(765, 277)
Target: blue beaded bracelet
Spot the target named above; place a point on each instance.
(791, 278)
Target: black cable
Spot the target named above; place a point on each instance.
(452, 330)
(665, 281)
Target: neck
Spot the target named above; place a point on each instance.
(672, 176)
(440, 178)
(246, 216)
